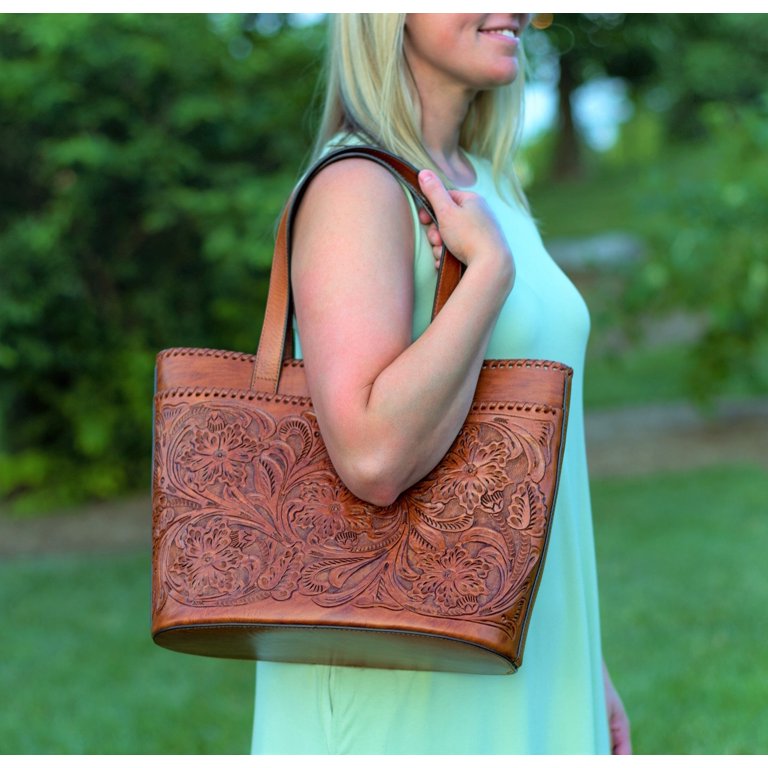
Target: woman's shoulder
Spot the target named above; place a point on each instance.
(356, 185)
(359, 199)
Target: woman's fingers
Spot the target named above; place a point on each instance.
(442, 200)
(467, 226)
(424, 217)
(436, 193)
(433, 235)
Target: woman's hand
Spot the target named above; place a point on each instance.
(465, 224)
(618, 721)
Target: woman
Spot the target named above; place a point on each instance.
(392, 390)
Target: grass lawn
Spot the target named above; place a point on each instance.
(636, 377)
(596, 204)
(683, 588)
(86, 677)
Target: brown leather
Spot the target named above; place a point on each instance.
(259, 551)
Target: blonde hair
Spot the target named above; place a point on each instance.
(370, 93)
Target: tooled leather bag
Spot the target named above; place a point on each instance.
(261, 552)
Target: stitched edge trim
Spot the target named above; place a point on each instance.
(228, 355)
(245, 394)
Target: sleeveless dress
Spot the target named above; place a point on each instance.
(555, 703)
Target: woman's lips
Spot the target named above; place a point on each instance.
(506, 35)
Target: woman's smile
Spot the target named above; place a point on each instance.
(507, 34)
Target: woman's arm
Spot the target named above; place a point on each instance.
(389, 409)
(618, 722)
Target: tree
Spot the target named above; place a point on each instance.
(702, 76)
(143, 161)
(705, 59)
(590, 45)
(677, 63)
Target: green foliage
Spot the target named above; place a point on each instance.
(674, 63)
(143, 161)
(606, 44)
(641, 140)
(700, 65)
(709, 251)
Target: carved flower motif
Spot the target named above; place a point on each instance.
(472, 469)
(527, 509)
(219, 453)
(331, 509)
(453, 577)
(211, 554)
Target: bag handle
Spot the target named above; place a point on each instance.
(276, 342)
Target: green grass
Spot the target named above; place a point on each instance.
(639, 375)
(636, 377)
(655, 374)
(683, 590)
(80, 673)
(598, 203)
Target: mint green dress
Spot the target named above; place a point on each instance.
(555, 703)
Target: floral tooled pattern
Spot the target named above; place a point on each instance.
(248, 508)
(472, 469)
(210, 558)
(452, 578)
(330, 510)
(220, 452)
(528, 509)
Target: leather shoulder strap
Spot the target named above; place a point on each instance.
(276, 341)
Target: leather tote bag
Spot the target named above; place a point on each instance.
(261, 552)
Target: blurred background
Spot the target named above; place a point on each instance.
(143, 162)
